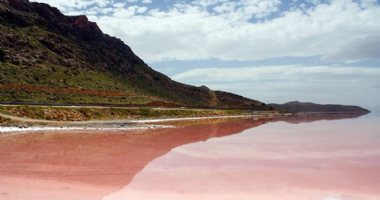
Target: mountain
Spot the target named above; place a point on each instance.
(297, 107)
(47, 57)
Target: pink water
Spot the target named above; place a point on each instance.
(239, 160)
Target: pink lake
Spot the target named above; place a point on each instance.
(322, 158)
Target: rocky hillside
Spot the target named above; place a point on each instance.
(47, 57)
(298, 107)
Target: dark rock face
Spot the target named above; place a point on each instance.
(2, 55)
(47, 12)
(22, 5)
(36, 35)
(50, 17)
(298, 107)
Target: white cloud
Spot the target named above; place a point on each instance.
(322, 84)
(82, 6)
(341, 30)
(277, 72)
(128, 12)
(119, 5)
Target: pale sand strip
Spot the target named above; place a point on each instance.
(52, 128)
(127, 124)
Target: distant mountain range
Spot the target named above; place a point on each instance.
(298, 107)
(47, 57)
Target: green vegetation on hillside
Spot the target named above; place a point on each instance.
(46, 72)
(51, 58)
(94, 113)
(60, 85)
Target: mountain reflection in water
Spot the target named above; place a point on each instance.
(182, 163)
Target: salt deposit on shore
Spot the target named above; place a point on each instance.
(47, 128)
(188, 118)
(116, 125)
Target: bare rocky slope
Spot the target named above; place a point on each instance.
(47, 57)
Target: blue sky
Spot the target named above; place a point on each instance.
(324, 51)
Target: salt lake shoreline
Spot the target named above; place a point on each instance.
(126, 125)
